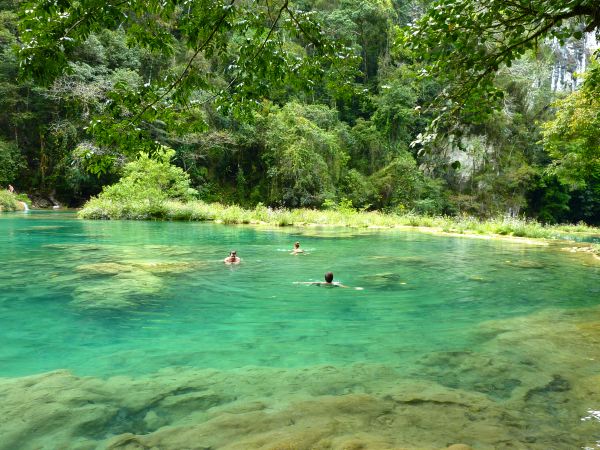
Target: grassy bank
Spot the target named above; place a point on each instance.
(345, 217)
(9, 201)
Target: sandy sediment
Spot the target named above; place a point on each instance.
(584, 249)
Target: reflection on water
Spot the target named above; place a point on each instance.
(134, 334)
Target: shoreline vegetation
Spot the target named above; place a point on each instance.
(9, 201)
(342, 216)
(154, 189)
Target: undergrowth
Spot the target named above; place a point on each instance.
(9, 201)
(103, 208)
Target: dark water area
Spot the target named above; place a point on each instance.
(137, 333)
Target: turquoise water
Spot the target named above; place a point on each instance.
(580, 237)
(102, 299)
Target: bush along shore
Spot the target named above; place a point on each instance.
(153, 189)
(195, 210)
(9, 201)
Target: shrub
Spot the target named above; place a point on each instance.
(8, 201)
(147, 184)
(152, 179)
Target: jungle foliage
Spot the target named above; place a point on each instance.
(305, 103)
(464, 43)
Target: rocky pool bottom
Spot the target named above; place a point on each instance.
(534, 384)
(135, 336)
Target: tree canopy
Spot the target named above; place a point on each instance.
(463, 43)
(260, 45)
(304, 103)
(572, 138)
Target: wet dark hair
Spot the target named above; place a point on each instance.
(329, 277)
(232, 253)
(296, 244)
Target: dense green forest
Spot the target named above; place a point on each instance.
(394, 105)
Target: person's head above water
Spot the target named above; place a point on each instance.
(297, 250)
(233, 258)
(328, 282)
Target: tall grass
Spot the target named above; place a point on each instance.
(9, 201)
(345, 217)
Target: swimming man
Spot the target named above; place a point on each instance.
(232, 258)
(328, 281)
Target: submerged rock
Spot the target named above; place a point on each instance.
(168, 250)
(384, 276)
(557, 384)
(123, 284)
(471, 371)
(163, 267)
(121, 291)
(106, 268)
(242, 409)
(75, 247)
(525, 264)
(479, 279)
(132, 267)
(255, 407)
(275, 408)
(42, 227)
(416, 260)
(386, 279)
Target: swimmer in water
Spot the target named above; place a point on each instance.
(232, 258)
(328, 282)
(297, 250)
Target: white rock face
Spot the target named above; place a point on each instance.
(571, 58)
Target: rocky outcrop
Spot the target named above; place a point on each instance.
(571, 59)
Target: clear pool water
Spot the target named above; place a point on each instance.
(511, 329)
